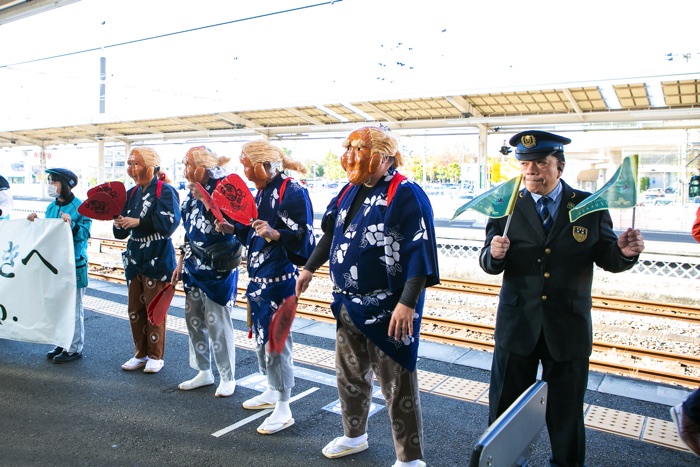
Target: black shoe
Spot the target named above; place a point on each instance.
(54, 352)
(66, 357)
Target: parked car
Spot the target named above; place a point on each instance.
(653, 193)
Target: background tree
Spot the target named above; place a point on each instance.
(331, 167)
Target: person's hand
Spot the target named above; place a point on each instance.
(263, 229)
(175, 278)
(499, 247)
(224, 227)
(631, 242)
(32, 216)
(303, 281)
(126, 222)
(66, 217)
(401, 323)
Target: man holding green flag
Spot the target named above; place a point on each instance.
(544, 311)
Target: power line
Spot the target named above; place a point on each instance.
(160, 36)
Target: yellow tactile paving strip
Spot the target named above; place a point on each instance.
(647, 429)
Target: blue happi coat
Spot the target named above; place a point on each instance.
(80, 228)
(149, 250)
(371, 260)
(219, 286)
(293, 218)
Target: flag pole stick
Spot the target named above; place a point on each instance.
(634, 211)
(505, 231)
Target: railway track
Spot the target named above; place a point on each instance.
(477, 335)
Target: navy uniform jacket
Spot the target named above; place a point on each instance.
(547, 280)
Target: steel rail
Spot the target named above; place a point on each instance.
(309, 308)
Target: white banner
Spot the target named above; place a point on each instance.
(37, 281)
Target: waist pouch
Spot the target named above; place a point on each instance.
(222, 256)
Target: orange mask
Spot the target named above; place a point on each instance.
(358, 161)
(137, 170)
(256, 173)
(193, 174)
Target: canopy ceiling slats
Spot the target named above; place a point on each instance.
(675, 100)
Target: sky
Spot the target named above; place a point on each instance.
(243, 55)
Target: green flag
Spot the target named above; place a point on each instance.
(497, 202)
(620, 192)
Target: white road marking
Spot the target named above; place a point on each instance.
(262, 413)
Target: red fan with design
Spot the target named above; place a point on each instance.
(101, 207)
(209, 203)
(104, 202)
(116, 190)
(160, 304)
(234, 198)
(281, 324)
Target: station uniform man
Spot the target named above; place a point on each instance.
(544, 310)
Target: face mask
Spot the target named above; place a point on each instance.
(53, 191)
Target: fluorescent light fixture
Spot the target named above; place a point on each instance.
(359, 112)
(331, 113)
(609, 96)
(655, 93)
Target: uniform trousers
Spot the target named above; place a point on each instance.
(357, 360)
(211, 332)
(279, 368)
(149, 339)
(512, 374)
(76, 346)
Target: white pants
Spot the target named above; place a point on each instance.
(79, 333)
(211, 332)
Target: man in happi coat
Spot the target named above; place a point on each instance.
(379, 240)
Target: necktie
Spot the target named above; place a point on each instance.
(544, 213)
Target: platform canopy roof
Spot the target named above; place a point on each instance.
(660, 102)
(665, 103)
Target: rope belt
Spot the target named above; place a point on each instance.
(337, 289)
(148, 238)
(271, 280)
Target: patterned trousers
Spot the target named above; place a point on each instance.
(357, 360)
(211, 332)
(149, 340)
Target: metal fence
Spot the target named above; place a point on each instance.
(682, 267)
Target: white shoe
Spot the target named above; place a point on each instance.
(336, 448)
(134, 363)
(203, 378)
(260, 402)
(153, 365)
(269, 427)
(415, 463)
(225, 388)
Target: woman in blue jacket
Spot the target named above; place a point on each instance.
(65, 206)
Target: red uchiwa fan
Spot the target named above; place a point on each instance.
(209, 203)
(104, 202)
(281, 324)
(160, 305)
(234, 198)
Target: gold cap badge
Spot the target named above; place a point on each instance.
(528, 141)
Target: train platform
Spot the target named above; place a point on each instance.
(92, 413)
